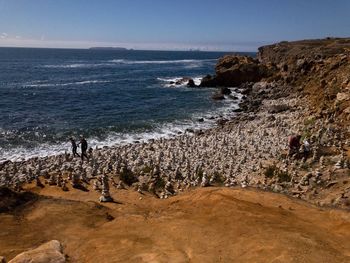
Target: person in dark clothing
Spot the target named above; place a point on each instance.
(294, 144)
(84, 147)
(74, 147)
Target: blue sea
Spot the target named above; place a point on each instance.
(110, 97)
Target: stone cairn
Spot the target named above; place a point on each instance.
(233, 155)
(105, 195)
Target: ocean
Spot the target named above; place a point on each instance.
(110, 97)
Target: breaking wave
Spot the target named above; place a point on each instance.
(126, 61)
(111, 63)
(175, 82)
(85, 82)
(168, 130)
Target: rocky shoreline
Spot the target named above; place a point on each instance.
(249, 150)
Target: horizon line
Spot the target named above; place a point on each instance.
(129, 49)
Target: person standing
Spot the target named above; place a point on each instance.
(84, 147)
(306, 149)
(74, 147)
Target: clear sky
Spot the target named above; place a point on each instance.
(240, 25)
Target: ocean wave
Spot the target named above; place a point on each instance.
(80, 65)
(178, 81)
(85, 82)
(111, 63)
(193, 65)
(168, 130)
(126, 61)
(66, 66)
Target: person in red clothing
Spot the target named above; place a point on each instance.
(294, 144)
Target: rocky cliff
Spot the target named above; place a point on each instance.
(318, 69)
(233, 70)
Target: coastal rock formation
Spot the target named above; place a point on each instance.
(286, 54)
(50, 252)
(208, 81)
(189, 82)
(233, 70)
(316, 69)
(220, 94)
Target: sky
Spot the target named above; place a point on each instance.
(225, 25)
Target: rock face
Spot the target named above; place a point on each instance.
(209, 81)
(318, 68)
(232, 71)
(220, 95)
(302, 51)
(50, 252)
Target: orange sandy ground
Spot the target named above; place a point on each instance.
(201, 225)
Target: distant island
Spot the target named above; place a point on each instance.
(109, 48)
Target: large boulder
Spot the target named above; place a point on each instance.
(208, 81)
(225, 91)
(233, 70)
(191, 83)
(50, 252)
(218, 96)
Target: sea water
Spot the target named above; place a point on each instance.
(110, 97)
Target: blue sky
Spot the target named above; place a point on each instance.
(163, 24)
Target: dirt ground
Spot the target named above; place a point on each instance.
(202, 225)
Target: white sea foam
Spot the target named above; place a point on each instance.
(67, 66)
(80, 65)
(126, 61)
(111, 63)
(85, 82)
(177, 81)
(197, 80)
(114, 139)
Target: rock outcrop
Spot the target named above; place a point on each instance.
(318, 69)
(234, 70)
(50, 252)
(191, 83)
(220, 94)
(316, 49)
